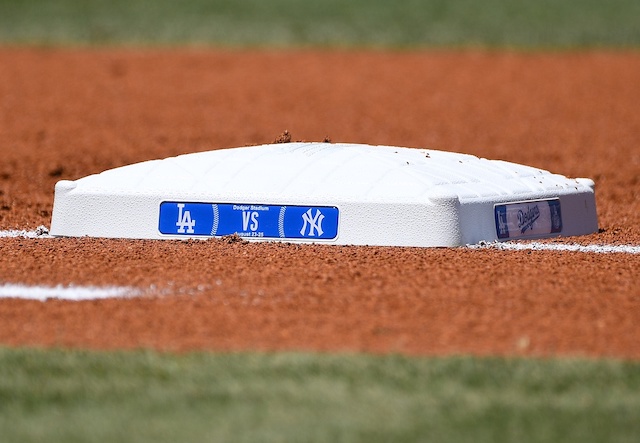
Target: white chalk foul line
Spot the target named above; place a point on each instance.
(562, 247)
(73, 293)
(43, 232)
(40, 232)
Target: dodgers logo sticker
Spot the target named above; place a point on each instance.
(528, 218)
(249, 220)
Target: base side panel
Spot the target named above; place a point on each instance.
(79, 214)
(578, 217)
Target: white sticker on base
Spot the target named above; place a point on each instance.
(528, 219)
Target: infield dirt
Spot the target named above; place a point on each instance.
(65, 114)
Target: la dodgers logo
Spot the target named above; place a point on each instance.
(503, 228)
(527, 218)
(184, 220)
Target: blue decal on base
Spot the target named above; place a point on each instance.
(249, 220)
(502, 227)
(528, 219)
(186, 218)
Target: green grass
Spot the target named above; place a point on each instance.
(67, 396)
(285, 23)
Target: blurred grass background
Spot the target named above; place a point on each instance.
(68, 396)
(548, 24)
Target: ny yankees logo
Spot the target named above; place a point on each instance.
(184, 220)
(313, 222)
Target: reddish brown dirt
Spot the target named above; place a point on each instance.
(65, 114)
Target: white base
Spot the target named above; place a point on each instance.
(377, 195)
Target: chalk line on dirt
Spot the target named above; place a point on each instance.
(562, 247)
(43, 232)
(40, 232)
(60, 292)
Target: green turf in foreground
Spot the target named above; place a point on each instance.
(67, 396)
(380, 23)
